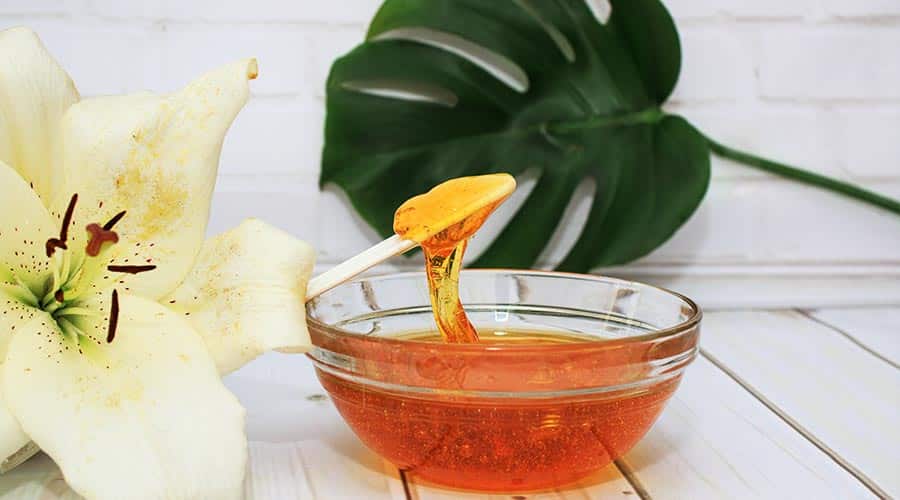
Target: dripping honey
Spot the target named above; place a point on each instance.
(442, 221)
(498, 443)
(443, 261)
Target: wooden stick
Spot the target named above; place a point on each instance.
(357, 264)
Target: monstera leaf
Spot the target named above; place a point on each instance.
(446, 88)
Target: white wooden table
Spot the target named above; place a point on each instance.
(781, 404)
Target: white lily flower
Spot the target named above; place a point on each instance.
(116, 320)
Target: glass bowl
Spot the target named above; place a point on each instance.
(503, 415)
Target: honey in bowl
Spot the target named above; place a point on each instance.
(497, 443)
(564, 375)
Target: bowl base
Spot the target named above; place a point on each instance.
(491, 445)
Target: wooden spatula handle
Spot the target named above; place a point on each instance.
(357, 264)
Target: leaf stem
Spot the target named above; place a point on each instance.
(806, 177)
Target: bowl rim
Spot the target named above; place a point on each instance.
(684, 326)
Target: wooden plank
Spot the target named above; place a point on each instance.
(877, 330)
(276, 471)
(715, 440)
(833, 389)
(608, 483)
(308, 469)
(314, 469)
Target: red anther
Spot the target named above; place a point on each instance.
(99, 236)
(54, 243)
(130, 269)
(115, 220)
(113, 317)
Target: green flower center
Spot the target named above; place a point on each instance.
(73, 278)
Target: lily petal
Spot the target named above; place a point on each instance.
(246, 293)
(34, 93)
(148, 416)
(25, 226)
(15, 446)
(13, 315)
(156, 157)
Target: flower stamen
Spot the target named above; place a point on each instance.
(54, 243)
(99, 236)
(113, 317)
(76, 311)
(70, 279)
(112, 222)
(130, 269)
(92, 262)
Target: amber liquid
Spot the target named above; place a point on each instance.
(494, 443)
(442, 265)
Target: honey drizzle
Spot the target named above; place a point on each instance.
(442, 265)
(442, 207)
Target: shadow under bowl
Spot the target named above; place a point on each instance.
(503, 416)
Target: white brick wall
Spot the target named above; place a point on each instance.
(813, 82)
(830, 63)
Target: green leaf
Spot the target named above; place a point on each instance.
(576, 99)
